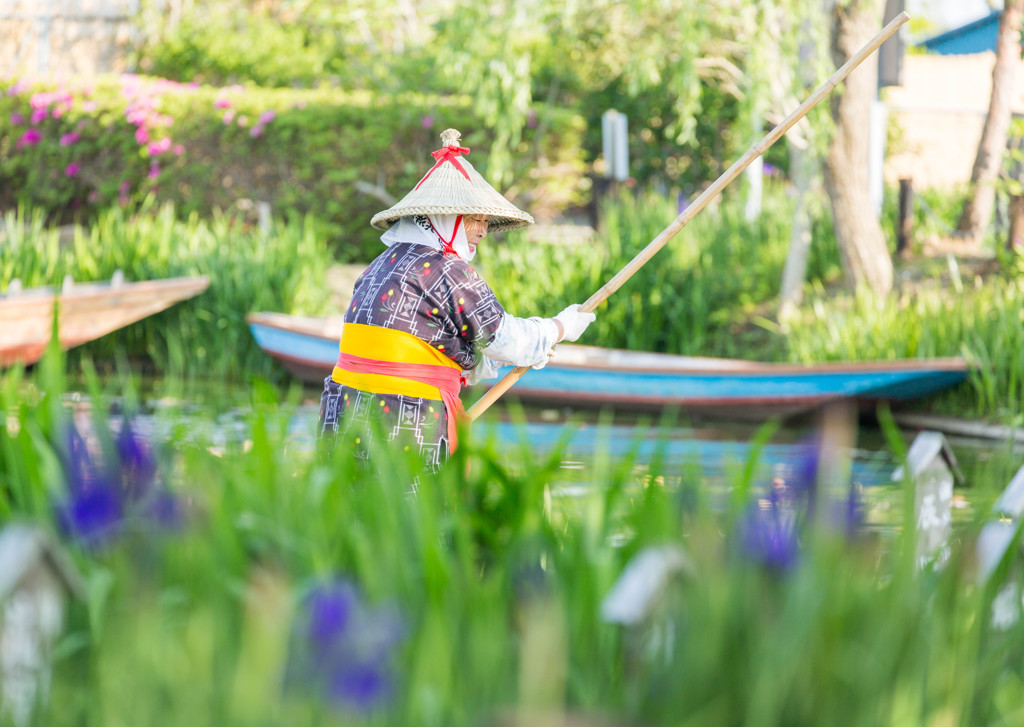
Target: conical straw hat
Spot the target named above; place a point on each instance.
(454, 187)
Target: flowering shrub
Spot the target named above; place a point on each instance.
(76, 147)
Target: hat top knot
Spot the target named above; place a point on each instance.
(450, 137)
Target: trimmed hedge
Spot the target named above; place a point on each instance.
(77, 147)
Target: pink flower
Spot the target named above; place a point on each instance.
(178, 150)
(154, 171)
(266, 117)
(17, 119)
(228, 116)
(159, 147)
(124, 186)
(243, 121)
(255, 131)
(39, 115)
(136, 116)
(88, 106)
(69, 139)
(141, 135)
(427, 122)
(30, 138)
(72, 169)
(42, 100)
(222, 103)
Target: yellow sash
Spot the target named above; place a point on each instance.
(387, 344)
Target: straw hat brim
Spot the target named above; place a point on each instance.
(501, 220)
(446, 191)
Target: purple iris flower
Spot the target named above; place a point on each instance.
(346, 647)
(78, 467)
(104, 498)
(797, 484)
(359, 685)
(93, 516)
(135, 462)
(803, 475)
(849, 513)
(165, 511)
(93, 513)
(330, 610)
(769, 534)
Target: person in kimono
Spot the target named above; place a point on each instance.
(422, 323)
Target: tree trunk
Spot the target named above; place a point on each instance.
(977, 211)
(1015, 235)
(862, 246)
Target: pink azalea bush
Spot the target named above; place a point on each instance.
(76, 147)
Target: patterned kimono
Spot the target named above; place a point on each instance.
(438, 299)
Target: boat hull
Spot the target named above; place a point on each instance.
(590, 376)
(85, 312)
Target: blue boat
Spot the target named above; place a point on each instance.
(591, 376)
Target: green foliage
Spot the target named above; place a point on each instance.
(699, 88)
(222, 48)
(204, 149)
(499, 582)
(934, 215)
(357, 44)
(979, 322)
(692, 298)
(1011, 180)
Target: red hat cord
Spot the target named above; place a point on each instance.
(446, 154)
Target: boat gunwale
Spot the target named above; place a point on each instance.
(716, 366)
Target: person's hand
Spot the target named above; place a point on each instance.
(574, 322)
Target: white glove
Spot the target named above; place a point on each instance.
(544, 361)
(574, 322)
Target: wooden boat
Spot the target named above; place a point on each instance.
(86, 311)
(595, 377)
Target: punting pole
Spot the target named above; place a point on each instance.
(495, 392)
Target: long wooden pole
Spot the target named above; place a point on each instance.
(495, 392)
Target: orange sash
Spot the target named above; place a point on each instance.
(399, 363)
